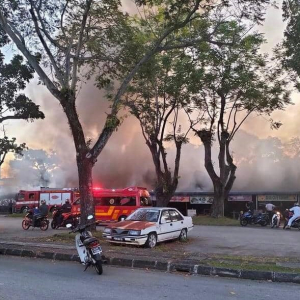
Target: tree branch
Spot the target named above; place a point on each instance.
(10, 31)
(80, 43)
(103, 138)
(51, 57)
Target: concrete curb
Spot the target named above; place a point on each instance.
(170, 266)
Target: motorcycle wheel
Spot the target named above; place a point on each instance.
(273, 224)
(98, 267)
(25, 224)
(44, 225)
(53, 225)
(264, 223)
(244, 222)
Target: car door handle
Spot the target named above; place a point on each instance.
(171, 224)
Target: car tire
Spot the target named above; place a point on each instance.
(151, 241)
(183, 235)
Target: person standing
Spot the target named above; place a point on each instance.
(269, 209)
(250, 206)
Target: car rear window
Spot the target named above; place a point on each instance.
(175, 216)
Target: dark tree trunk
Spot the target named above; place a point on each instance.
(163, 198)
(86, 189)
(217, 209)
(84, 162)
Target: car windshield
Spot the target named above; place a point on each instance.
(144, 215)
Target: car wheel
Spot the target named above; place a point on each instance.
(183, 235)
(151, 241)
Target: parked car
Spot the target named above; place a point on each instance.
(149, 226)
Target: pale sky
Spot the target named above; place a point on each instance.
(54, 132)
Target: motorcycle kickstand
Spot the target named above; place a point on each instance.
(86, 266)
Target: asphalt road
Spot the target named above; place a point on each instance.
(32, 279)
(225, 240)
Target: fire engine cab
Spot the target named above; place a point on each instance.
(26, 200)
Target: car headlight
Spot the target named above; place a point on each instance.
(107, 230)
(134, 232)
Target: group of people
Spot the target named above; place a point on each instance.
(289, 214)
(43, 211)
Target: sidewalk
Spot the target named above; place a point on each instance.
(170, 261)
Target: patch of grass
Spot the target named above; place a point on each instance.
(65, 238)
(254, 267)
(16, 215)
(253, 259)
(207, 220)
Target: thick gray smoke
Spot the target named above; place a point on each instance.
(263, 164)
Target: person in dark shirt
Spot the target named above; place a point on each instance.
(250, 206)
(43, 211)
(65, 208)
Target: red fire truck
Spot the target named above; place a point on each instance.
(29, 199)
(112, 205)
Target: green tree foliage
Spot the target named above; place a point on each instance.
(155, 97)
(288, 51)
(14, 105)
(61, 38)
(235, 81)
(8, 145)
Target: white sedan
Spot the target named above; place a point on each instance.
(148, 226)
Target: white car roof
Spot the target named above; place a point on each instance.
(157, 208)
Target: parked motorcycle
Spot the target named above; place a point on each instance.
(41, 221)
(88, 247)
(67, 218)
(249, 218)
(276, 220)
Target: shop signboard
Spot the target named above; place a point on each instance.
(270, 198)
(240, 198)
(180, 199)
(202, 200)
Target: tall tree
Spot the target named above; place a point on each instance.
(67, 35)
(155, 97)
(288, 51)
(14, 105)
(235, 81)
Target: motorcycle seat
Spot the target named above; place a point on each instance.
(89, 241)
